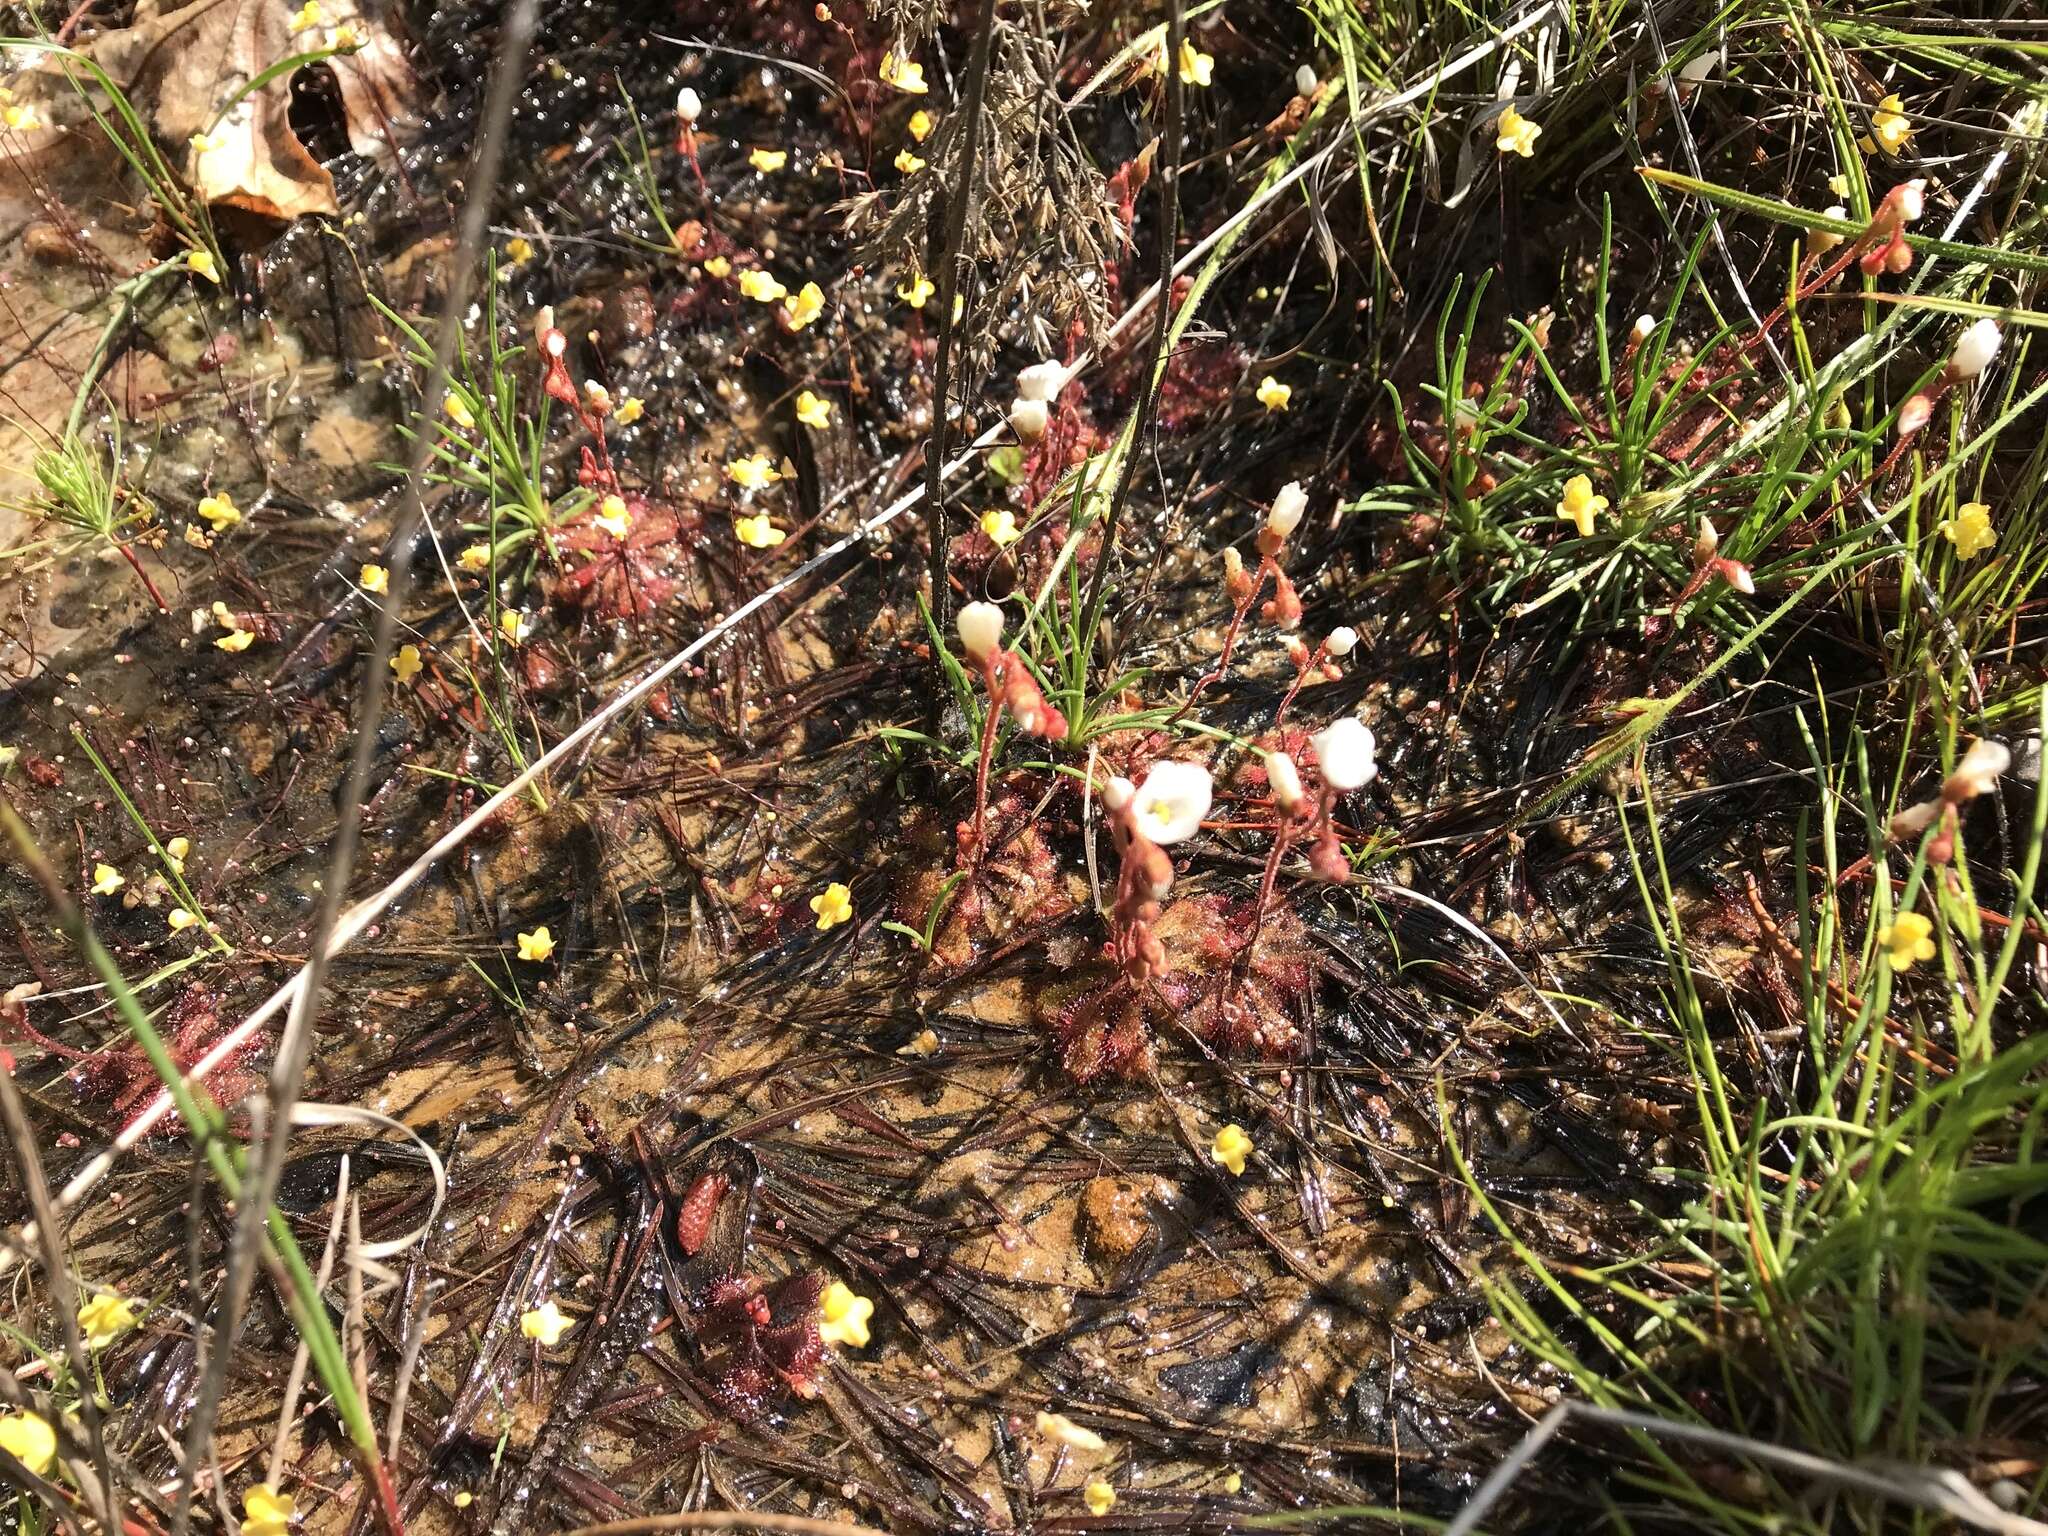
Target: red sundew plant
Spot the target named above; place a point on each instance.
(191, 1025)
(992, 894)
(614, 577)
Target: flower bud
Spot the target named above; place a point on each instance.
(1042, 381)
(1974, 350)
(1899, 258)
(1029, 419)
(1305, 81)
(1287, 509)
(1915, 819)
(1285, 780)
(1698, 67)
(981, 629)
(1643, 326)
(1118, 793)
(1342, 641)
(1705, 545)
(689, 105)
(1736, 574)
(1910, 198)
(1344, 754)
(1914, 413)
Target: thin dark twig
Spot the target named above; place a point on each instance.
(1162, 318)
(976, 105)
(296, 1044)
(63, 1294)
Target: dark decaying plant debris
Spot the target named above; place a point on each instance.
(702, 1109)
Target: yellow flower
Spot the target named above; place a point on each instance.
(220, 511)
(813, 410)
(202, 263)
(613, 517)
(180, 919)
(1099, 1496)
(845, 1313)
(920, 125)
(346, 38)
(457, 410)
(757, 532)
(1890, 126)
(405, 666)
(905, 74)
(1274, 395)
(834, 905)
(631, 409)
(1970, 529)
(545, 1322)
(908, 163)
(761, 286)
(307, 17)
(475, 558)
(518, 251)
(20, 119)
(175, 852)
(206, 144)
(266, 1512)
(1000, 524)
(236, 640)
(1580, 506)
(536, 946)
(1905, 939)
(376, 579)
(197, 538)
(514, 624)
(916, 291)
(804, 306)
(768, 159)
(30, 1440)
(106, 880)
(105, 1318)
(718, 266)
(1196, 67)
(1230, 1148)
(752, 472)
(1515, 134)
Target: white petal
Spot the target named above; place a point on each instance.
(1344, 753)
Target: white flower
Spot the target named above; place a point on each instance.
(1287, 509)
(1974, 350)
(1977, 773)
(1172, 801)
(1285, 779)
(1915, 819)
(1698, 67)
(1825, 240)
(1029, 418)
(1042, 381)
(689, 105)
(981, 629)
(1342, 641)
(1344, 754)
(1118, 793)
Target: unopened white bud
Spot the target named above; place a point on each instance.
(1643, 326)
(1707, 544)
(1912, 196)
(1915, 819)
(1029, 419)
(1042, 381)
(1344, 754)
(981, 629)
(1343, 639)
(1305, 81)
(1117, 793)
(689, 105)
(1913, 414)
(1287, 509)
(1974, 350)
(1285, 780)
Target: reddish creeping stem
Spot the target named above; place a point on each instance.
(1010, 686)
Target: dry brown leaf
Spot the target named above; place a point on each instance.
(180, 64)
